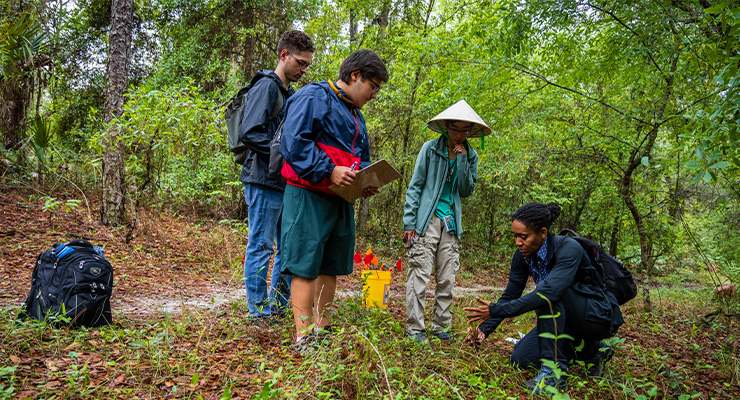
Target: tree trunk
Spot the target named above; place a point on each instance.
(363, 214)
(352, 26)
(383, 20)
(614, 241)
(249, 48)
(16, 109)
(113, 211)
(579, 208)
(676, 198)
(646, 246)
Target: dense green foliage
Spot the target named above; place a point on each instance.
(624, 113)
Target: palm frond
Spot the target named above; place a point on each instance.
(20, 42)
(41, 137)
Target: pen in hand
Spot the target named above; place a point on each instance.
(352, 168)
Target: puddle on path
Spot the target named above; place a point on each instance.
(148, 304)
(477, 289)
(212, 296)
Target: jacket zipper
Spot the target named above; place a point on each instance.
(431, 211)
(357, 132)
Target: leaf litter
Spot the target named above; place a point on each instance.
(180, 326)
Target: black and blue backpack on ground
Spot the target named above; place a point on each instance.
(71, 284)
(617, 278)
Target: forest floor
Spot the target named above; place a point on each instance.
(180, 328)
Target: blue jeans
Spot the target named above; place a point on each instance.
(264, 213)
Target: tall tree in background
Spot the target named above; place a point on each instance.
(113, 210)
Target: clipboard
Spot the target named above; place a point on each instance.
(378, 174)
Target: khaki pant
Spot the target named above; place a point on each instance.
(436, 251)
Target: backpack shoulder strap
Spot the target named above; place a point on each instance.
(256, 78)
(557, 241)
(279, 102)
(248, 86)
(565, 232)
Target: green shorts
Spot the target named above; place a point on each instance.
(318, 234)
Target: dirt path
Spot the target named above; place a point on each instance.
(170, 262)
(210, 296)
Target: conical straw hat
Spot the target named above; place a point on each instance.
(461, 111)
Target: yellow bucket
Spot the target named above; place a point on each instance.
(375, 288)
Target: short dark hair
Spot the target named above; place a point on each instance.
(537, 215)
(454, 121)
(367, 62)
(295, 42)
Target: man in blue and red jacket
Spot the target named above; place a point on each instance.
(324, 142)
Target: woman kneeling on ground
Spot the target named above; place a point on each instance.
(568, 287)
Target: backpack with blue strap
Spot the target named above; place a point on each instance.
(71, 284)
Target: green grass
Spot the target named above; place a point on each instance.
(214, 353)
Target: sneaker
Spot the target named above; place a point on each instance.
(324, 335)
(419, 337)
(595, 366)
(444, 336)
(263, 321)
(279, 313)
(546, 377)
(305, 345)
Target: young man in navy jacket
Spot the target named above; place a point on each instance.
(262, 193)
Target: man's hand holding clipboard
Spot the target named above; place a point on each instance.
(351, 185)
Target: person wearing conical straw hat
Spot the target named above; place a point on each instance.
(446, 170)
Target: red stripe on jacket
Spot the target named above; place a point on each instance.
(337, 156)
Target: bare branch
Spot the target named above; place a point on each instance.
(521, 68)
(523, 98)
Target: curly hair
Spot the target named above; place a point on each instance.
(295, 42)
(537, 215)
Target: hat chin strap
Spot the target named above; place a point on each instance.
(444, 132)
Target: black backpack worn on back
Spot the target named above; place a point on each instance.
(72, 283)
(275, 166)
(617, 278)
(235, 112)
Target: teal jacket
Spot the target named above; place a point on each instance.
(425, 187)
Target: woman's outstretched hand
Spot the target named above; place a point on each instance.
(478, 313)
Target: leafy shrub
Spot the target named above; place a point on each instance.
(176, 146)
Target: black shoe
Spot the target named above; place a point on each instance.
(595, 366)
(305, 345)
(444, 336)
(264, 321)
(324, 335)
(546, 377)
(419, 337)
